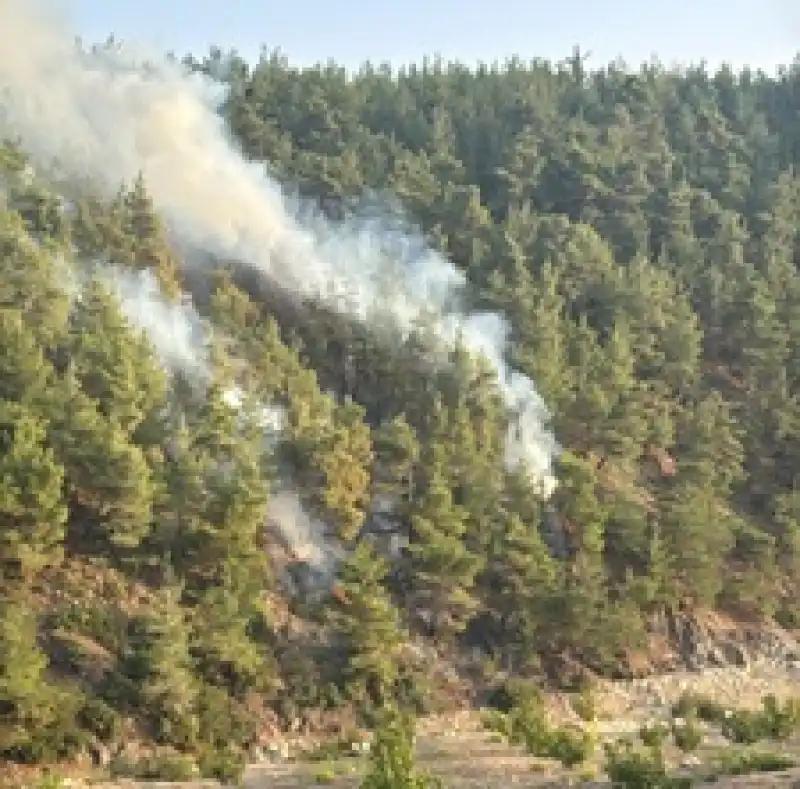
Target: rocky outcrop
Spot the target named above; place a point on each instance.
(697, 642)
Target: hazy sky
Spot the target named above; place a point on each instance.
(757, 32)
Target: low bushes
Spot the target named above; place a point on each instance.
(522, 720)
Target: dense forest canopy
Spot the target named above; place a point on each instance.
(195, 572)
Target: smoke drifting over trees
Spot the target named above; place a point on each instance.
(288, 364)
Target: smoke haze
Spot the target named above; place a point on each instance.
(175, 330)
(180, 338)
(108, 115)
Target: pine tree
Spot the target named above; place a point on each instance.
(160, 664)
(522, 583)
(368, 625)
(391, 761)
(217, 496)
(343, 459)
(33, 513)
(114, 364)
(23, 710)
(25, 373)
(699, 532)
(108, 478)
(221, 645)
(442, 567)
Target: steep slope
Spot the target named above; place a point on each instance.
(235, 500)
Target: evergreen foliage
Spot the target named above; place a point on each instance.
(639, 230)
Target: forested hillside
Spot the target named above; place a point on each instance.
(165, 572)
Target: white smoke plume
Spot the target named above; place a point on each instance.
(305, 536)
(180, 337)
(175, 330)
(108, 115)
(271, 419)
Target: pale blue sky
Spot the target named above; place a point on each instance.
(758, 32)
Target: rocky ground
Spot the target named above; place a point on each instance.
(733, 667)
(466, 756)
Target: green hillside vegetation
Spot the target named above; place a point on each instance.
(640, 231)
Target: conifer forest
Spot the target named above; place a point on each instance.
(311, 390)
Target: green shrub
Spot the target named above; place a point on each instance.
(169, 767)
(788, 616)
(514, 693)
(223, 722)
(654, 736)
(413, 691)
(744, 727)
(328, 751)
(325, 774)
(57, 735)
(640, 768)
(570, 747)
(701, 708)
(773, 722)
(157, 767)
(226, 766)
(50, 782)
(526, 725)
(584, 704)
(498, 722)
(754, 762)
(780, 722)
(391, 759)
(118, 691)
(96, 717)
(104, 624)
(174, 728)
(688, 736)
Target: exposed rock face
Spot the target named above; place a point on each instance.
(697, 643)
(681, 641)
